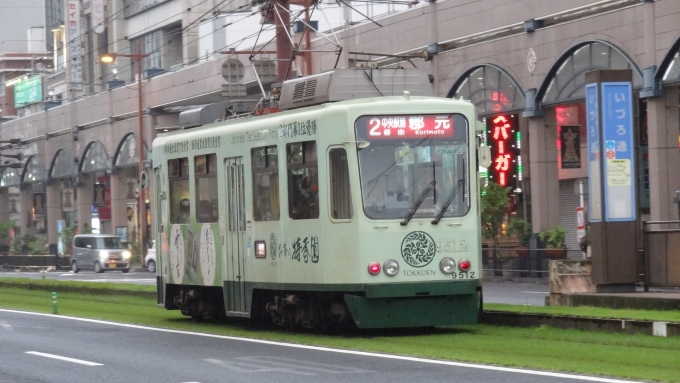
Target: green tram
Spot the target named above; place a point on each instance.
(362, 211)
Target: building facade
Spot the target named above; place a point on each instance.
(520, 62)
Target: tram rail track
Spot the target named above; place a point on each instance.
(490, 317)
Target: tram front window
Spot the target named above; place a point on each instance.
(404, 158)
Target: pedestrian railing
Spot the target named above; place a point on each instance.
(522, 262)
(661, 253)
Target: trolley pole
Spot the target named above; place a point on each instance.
(142, 199)
(138, 57)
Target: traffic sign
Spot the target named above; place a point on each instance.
(610, 145)
(580, 223)
(580, 219)
(611, 154)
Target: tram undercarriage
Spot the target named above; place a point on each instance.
(313, 310)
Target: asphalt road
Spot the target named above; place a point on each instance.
(515, 293)
(46, 348)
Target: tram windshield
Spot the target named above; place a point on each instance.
(413, 166)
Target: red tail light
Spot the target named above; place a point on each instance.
(374, 268)
(464, 265)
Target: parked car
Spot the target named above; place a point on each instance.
(150, 259)
(99, 252)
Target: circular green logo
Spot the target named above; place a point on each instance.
(418, 249)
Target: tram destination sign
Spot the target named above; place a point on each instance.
(407, 127)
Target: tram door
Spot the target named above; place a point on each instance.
(158, 224)
(236, 246)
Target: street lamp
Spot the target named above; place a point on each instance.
(109, 58)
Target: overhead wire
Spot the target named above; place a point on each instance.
(174, 33)
(178, 32)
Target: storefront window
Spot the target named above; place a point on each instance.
(569, 79)
(95, 158)
(10, 177)
(35, 170)
(62, 166)
(673, 72)
(490, 90)
(128, 153)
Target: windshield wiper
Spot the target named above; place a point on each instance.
(417, 204)
(448, 201)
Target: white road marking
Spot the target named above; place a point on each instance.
(535, 292)
(238, 366)
(340, 351)
(85, 362)
(67, 275)
(5, 325)
(248, 364)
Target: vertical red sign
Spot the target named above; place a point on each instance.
(502, 139)
(105, 210)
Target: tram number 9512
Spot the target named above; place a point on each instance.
(463, 275)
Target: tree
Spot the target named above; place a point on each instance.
(5, 228)
(66, 235)
(494, 201)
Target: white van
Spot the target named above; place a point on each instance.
(99, 252)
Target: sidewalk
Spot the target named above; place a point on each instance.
(639, 300)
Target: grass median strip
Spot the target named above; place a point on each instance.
(90, 286)
(635, 357)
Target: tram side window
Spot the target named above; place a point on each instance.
(180, 200)
(265, 163)
(303, 180)
(341, 199)
(205, 170)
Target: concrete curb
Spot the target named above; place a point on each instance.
(629, 326)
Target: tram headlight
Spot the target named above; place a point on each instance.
(390, 267)
(447, 265)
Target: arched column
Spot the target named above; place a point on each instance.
(85, 192)
(664, 155)
(4, 205)
(26, 209)
(53, 211)
(545, 187)
(118, 201)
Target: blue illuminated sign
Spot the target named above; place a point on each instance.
(619, 169)
(593, 124)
